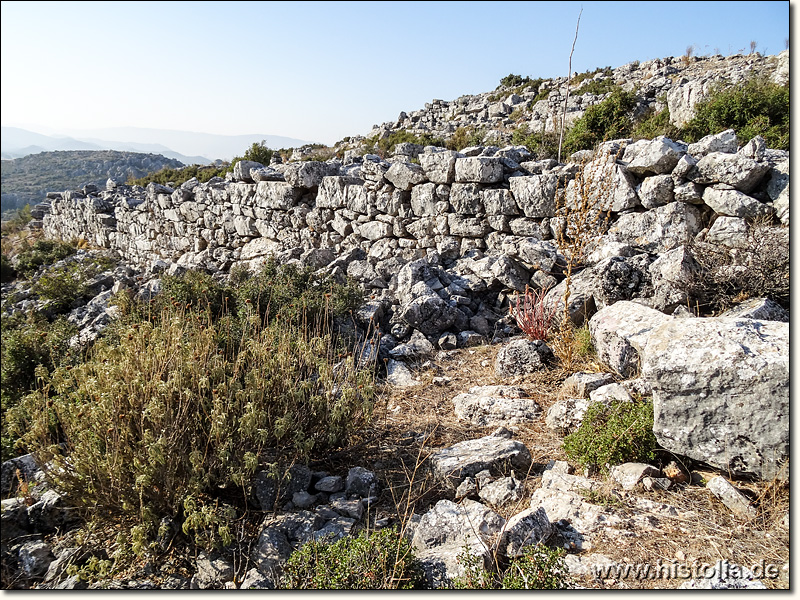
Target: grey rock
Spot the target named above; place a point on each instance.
(659, 156)
(501, 492)
(348, 508)
(535, 195)
(254, 580)
(656, 483)
(731, 232)
(479, 169)
(271, 551)
(521, 357)
(580, 384)
(429, 314)
(469, 339)
(582, 305)
(530, 527)
(725, 141)
(669, 274)
(417, 347)
(762, 309)
(735, 170)
(660, 229)
(267, 489)
(778, 190)
(399, 375)
(467, 458)
(241, 172)
(620, 332)
(499, 201)
(212, 573)
(657, 190)
(35, 557)
(490, 406)
(405, 175)
(304, 499)
(756, 149)
(733, 203)
(628, 475)
(721, 391)
(361, 482)
(330, 484)
(8, 472)
(308, 174)
(731, 497)
(439, 167)
(466, 199)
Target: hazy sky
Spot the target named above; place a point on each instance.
(322, 71)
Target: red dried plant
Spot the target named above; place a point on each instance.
(532, 314)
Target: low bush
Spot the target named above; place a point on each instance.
(653, 124)
(726, 276)
(539, 568)
(756, 106)
(610, 119)
(178, 176)
(164, 413)
(385, 146)
(66, 283)
(464, 137)
(612, 434)
(542, 144)
(29, 342)
(43, 252)
(376, 560)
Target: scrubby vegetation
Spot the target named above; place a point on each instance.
(373, 560)
(610, 119)
(43, 252)
(188, 396)
(385, 146)
(539, 568)
(754, 107)
(612, 434)
(179, 176)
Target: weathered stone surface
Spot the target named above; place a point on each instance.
(566, 415)
(444, 531)
(466, 198)
(535, 195)
(468, 458)
(493, 405)
(582, 304)
(778, 190)
(271, 551)
(657, 190)
(604, 185)
(439, 167)
(733, 203)
(660, 229)
(731, 497)
(212, 573)
(399, 375)
(659, 156)
(241, 170)
(405, 175)
(308, 174)
(735, 170)
(725, 141)
(479, 169)
(361, 482)
(35, 557)
(522, 356)
(721, 391)
(580, 385)
(429, 314)
(668, 275)
(762, 309)
(27, 468)
(530, 527)
(502, 491)
(619, 278)
(730, 232)
(620, 332)
(628, 475)
(330, 484)
(499, 202)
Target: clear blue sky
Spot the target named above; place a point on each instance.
(322, 71)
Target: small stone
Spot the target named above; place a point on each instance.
(731, 497)
(656, 483)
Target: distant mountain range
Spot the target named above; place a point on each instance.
(185, 146)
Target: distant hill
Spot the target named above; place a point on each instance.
(188, 147)
(26, 180)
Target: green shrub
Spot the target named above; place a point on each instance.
(754, 107)
(512, 80)
(385, 146)
(613, 434)
(64, 284)
(376, 560)
(179, 176)
(596, 87)
(542, 145)
(607, 120)
(29, 342)
(43, 252)
(464, 137)
(164, 413)
(653, 124)
(539, 568)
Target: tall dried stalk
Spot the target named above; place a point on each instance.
(569, 76)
